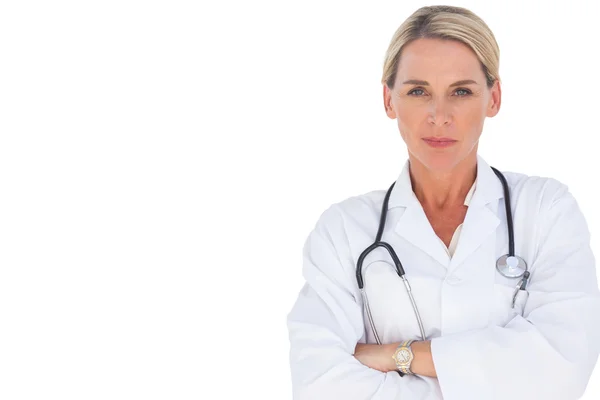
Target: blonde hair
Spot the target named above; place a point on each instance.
(450, 23)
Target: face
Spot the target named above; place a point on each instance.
(440, 100)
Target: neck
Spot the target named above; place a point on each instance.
(441, 190)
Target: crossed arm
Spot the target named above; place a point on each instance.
(379, 357)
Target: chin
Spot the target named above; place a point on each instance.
(440, 161)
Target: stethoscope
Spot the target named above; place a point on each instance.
(509, 265)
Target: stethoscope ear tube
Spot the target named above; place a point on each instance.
(369, 315)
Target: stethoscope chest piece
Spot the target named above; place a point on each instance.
(511, 266)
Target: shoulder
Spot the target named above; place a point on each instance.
(350, 223)
(547, 204)
(343, 230)
(543, 191)
(353, 209)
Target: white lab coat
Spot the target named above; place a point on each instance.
(544, 348)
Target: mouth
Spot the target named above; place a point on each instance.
(439, 141)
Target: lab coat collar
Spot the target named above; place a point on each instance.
(480, 220)
(488, 188)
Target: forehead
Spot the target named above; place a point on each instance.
(437, 58)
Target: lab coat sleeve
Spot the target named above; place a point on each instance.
(550, 351)
(326, 323)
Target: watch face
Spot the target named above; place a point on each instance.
(403, 356)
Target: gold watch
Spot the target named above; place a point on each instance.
(403, 357)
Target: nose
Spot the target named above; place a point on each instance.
(439, 113)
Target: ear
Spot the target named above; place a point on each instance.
(495, 100)
(387, 102)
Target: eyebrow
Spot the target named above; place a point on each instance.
(425, 83)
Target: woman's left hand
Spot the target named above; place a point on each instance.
(376, 356)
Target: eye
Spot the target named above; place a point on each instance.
(463, 92)
(412, 92)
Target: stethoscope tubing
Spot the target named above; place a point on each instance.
(509, 260)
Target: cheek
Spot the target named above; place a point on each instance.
(470, 122)
(409, 120)
(409, 112)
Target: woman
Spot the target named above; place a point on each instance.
(481, 332)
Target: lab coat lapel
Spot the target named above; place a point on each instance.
(481, 219)
(413, 225)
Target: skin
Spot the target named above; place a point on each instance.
(441, 177)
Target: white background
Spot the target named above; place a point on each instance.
(162, 162)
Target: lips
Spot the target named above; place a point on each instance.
(439, 141)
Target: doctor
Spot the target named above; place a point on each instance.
(481, 333)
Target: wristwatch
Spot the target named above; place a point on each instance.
(403, 357)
